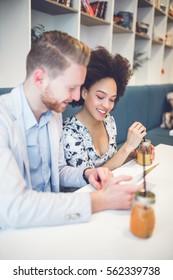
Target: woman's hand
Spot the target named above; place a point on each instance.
(136, 133)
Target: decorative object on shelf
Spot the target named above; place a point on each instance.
(124, 19)
(163, 71)
(36, 32)
(162, 7)
(68, 3)
(142, 27)
(118, 20)
(138, 60)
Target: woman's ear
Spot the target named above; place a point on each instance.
(84, 93)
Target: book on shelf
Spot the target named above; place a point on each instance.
(86, 7)
(99, 8)
(95, 7)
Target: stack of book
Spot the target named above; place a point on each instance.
(94, 8)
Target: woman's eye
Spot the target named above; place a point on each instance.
(99, 97)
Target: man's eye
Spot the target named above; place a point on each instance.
(71, 89)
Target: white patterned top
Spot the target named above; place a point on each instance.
(78, 146)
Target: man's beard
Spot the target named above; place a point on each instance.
(52, 104)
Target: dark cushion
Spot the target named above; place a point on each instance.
(120, 115)
(157, 104)
(131, 107)
(159, 136)
(5, 90)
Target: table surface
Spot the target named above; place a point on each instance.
(107, 234)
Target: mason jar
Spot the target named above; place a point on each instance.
(144, 153)
(142, 220)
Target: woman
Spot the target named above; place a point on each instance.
(90, 135)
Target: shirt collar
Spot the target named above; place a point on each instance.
(29, 118)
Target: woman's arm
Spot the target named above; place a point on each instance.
(136, 132)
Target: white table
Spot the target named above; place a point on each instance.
(107, 235)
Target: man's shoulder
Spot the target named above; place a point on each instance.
(10, 102)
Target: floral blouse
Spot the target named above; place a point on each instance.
(78, 146)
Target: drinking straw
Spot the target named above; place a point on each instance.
(144, 172)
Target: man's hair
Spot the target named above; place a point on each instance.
(103, 65)
(53, 52)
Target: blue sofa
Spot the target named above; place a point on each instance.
(140, 103)
(145, 104)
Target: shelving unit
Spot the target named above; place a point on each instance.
(52, 8)
(15, 34)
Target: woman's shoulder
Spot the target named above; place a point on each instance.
(109, 119)
(73, 125)
(68, 120)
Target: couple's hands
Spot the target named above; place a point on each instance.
(111, 193)
(114, 195)
(98, 177)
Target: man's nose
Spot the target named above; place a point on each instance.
(75, 95)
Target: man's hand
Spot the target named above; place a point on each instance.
(115, 195)
(98, 177)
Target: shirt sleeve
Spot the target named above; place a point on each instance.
(23, 207)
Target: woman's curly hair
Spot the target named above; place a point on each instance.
(103, 65)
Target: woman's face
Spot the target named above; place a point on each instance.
(100, 98)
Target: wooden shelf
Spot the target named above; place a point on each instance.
(144, 3)
(170, 18)
(156, 41)
(159, 12)
(52, 8)
(88, 20)
(168, 46)
(120, 29)
(142, 36)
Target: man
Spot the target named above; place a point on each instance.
(31, 150)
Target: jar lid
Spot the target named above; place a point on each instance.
(145, 198)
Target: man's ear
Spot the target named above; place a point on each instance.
(39, 76)
(84, 93)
